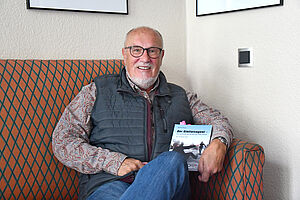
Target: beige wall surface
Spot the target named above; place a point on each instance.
(44, 34)
(263, 102)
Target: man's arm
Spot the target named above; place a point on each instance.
(211, 161)
(70, 139)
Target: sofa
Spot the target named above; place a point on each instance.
(33, 95)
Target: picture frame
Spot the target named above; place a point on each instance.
(210, 7)
(96, 6)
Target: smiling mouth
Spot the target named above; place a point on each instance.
(144, 67)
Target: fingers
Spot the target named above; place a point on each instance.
(204, 177)
(204, 171)
(139, 165)
(129, 165)
(211, 161)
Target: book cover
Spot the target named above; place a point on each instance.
(191, 140)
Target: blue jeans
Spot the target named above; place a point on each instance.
(165, 177)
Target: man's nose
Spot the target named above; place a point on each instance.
(145, 57)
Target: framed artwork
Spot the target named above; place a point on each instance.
(102, 6)
(209, 7)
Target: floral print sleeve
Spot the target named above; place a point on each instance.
(70, 139)
(203, 114)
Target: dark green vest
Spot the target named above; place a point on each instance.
(119, 120)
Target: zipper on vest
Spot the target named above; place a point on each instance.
(164, 121)
(149, 136)
(162, 115)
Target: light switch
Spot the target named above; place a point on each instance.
(245, 57)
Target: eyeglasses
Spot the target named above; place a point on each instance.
(138, 51)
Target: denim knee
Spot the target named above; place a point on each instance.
(174, 159)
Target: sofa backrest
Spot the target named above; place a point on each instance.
(33, 95)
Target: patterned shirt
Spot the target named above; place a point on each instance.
(70, 139)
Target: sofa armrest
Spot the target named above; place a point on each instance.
(241, 177)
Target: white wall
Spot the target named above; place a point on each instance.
(43, 34)
(263, 102)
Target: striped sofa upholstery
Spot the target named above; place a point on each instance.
(33, 95)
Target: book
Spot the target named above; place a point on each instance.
(191, 140)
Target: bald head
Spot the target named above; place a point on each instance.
(143, 30)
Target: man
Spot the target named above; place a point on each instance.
(117, 130)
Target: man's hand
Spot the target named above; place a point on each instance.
(129, 165)
(211, 161)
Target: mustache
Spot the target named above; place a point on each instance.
(143, 64)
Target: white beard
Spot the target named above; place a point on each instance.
(143, 83)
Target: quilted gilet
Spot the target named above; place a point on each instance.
(119, 118)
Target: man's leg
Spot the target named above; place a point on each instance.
(164, 178)
(109, 191)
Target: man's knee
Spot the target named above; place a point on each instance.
(174, 159)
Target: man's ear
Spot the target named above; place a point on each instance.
(123, 52)
(162, 54)
(124, 56)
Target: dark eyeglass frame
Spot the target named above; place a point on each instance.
(147, 49)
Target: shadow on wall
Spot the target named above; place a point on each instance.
(276, 180)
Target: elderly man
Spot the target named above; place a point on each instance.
(117, 130)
